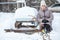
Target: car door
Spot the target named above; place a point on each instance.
(56, 7)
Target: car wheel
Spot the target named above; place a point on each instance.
(17, 24)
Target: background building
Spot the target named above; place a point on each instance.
(31, 3)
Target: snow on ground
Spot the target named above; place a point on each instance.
(8, 20)
(55, 34)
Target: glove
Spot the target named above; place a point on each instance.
(45, 21)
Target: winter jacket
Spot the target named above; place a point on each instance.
(47, 14)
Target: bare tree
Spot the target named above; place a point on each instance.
(50, 2)
(36, 3)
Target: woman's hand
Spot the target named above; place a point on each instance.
(41, 24)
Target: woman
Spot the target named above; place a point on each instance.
(44, 14)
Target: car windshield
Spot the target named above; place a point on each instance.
(56, 5)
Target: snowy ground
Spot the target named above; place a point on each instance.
(8, 20)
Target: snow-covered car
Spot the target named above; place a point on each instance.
(55, 8)
(25, 17)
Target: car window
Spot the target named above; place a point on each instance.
(56, 5)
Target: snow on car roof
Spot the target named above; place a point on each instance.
(25, 11)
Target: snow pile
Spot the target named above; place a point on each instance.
(24, 12)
